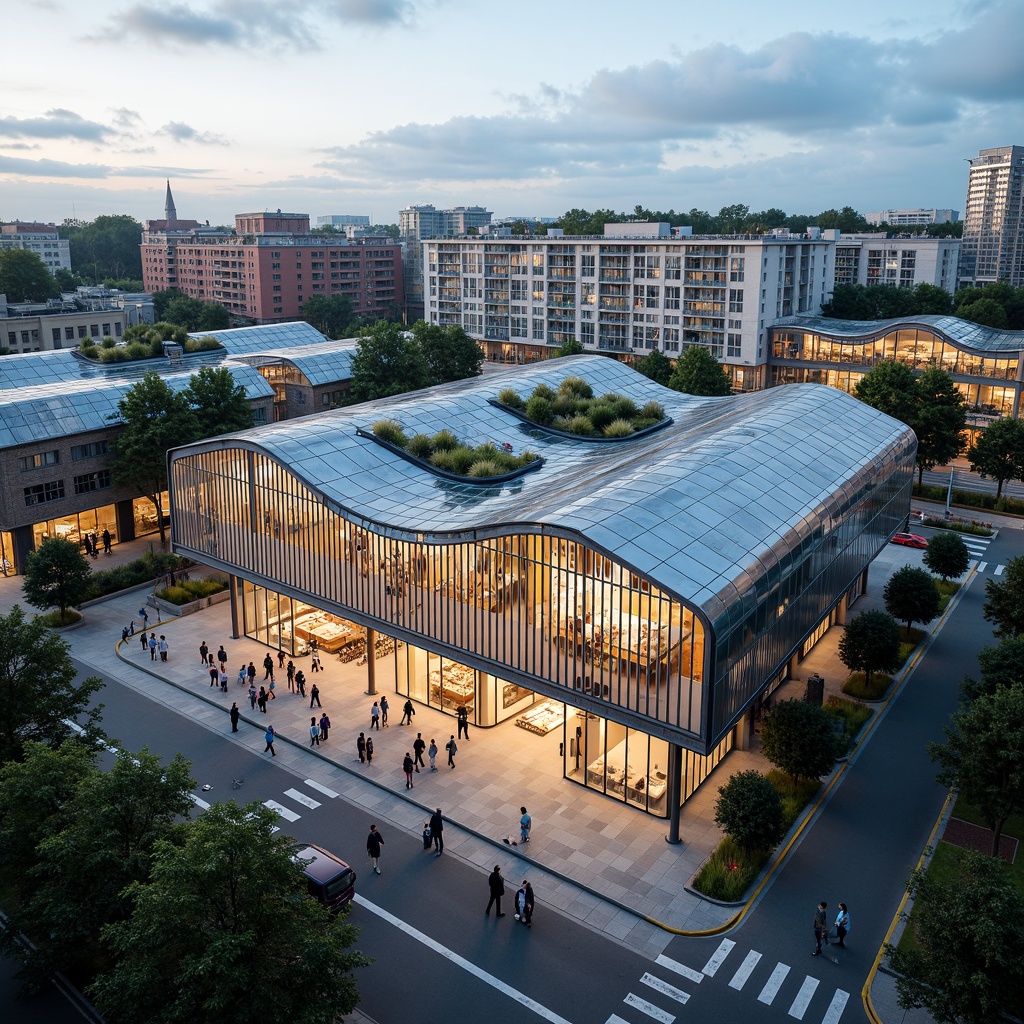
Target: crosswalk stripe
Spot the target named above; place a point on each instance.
(282, 810)
(687, 972)
(739, 979)
(665, 988)
(836, 1007)
(718, 957)
(649, 1008)
(199, 803)
(773, 984)
(803, 998)
(301, 798)
(615, 1019)
(982, 566)
(999, 570)
(321, 789)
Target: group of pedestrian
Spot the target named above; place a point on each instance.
(364, 748)
(318, 731)
(90, 543)
(156, 647)
(821, 929)
(525, 901)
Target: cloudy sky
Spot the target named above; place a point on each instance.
(529, 108)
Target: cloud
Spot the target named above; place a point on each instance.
(124, 117)
(51, 168)
(54, 124)
(181, 132)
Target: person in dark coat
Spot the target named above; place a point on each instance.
(369, 750)
(407, 712)
(261, 700)
(361, 748)
(374, 841)
(407, 767)
(437, 831)
(496, 884)
(419, 745)
(314, 696)
(235, 715)
(268, 667)
(325, 726)
(526, 914)
(300, 683)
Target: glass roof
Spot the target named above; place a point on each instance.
(266, 336)
(697, 506)
(960, 332)
(322, 363)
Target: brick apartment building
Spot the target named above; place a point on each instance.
(268, 266)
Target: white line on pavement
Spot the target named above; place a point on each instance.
(803, 998)
(739, 979)
(466, 965)
(616, 1019)
(321, 789)
(199, 803)
(687, 972)
(282, 810)
(665, 988)
(301, 798)
(836, 1007)
(982, 566)
(718, 957)
(655, 1012)
(999, 570)
(773, 984)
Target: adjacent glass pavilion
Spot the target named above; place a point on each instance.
(642, 595)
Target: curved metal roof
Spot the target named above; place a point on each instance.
(322, 363)
(950, 328)
(699, 507)
(265, 336)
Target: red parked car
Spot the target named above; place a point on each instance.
(909, 540)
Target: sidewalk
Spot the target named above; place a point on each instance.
(600, 861)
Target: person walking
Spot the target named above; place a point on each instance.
(417, 748)
(144, 615)
(384, 710)
(842, 925)
(369, 750)
(374, 841)
(463, 716)
(375, 716)
(407, 712)
(452, 751)
(152, 646)
(407, 767)
(437, 831)
(268, 667)
(271, 688)
(496, 885)
(204, 654)
(242, 675)
(820, 928)
(222, 655)
(223, 682)
(162, 647)
(106, 542)
(252, 696)
(361, 748)
(235, 715)
(214, 675)
(314, 661)
(526, 914)
(325, 726)
(525, 824)
(432, 754)
(314, 732)
(290, 673)
(280, 659)
(314, 696)
(269, 737)
(251, 672)
(92, 543)
(261, 700)
(300, 683)
(144, 640)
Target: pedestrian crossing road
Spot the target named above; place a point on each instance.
(977, 548)
(662, 999)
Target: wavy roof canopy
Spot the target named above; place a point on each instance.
(698, 506)
(265, 336)
(950, 328)
(322, 363)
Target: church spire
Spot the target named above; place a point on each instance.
(170, 214)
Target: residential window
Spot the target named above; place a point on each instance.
(734, 346)
(587, 266)
(41, 493)
(39, 460)
(587, 333)
(92, 481)
(55, 334)
(82, 332)
(671, 297)
(538, 330)
(672, 267)
(69, 334)
(736, 268)
(735, 300)
(94, 330)
(88, 451)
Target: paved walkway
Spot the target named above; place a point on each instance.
(597, 859)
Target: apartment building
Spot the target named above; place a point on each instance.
(629, 292)
(42, 239)
(905, 218)
(993, 240)
(874, 259)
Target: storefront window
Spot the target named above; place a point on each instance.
(146, 520)
(76, 527)
(6, 554)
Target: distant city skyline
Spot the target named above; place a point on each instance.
(368, 106)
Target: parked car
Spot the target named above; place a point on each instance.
(331, 881)
(909, 540)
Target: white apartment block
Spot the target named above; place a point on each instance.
(42, 239)
(627, 295)
(905, 218)
(993, 242)
(904, 262)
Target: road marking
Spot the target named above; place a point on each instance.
(687, 972)
(282, 810)
(773, 984)
(199, 803)
(982, 566)
(466, 965)
(718, 957)
(665, 988)
(999, 570)
(656, 1012)
(739, 979)
(301, 798)
(616, 1019)
(836, 1007)
(321, 789)
(803, 998)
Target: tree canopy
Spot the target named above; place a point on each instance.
(57, 575)
(105, 247)
(656, 365)
(24, 277)
(697, 372)
(387, 362)
(998, 451)
(449, 351)
(947, 555)
(1001, 665)
(331, 315)
(911, 596)
(1008, 298)
(220, 406)
(195, 315)
(870, 643)
(749, 809)
(886, 301)
(799, 738)
(1004, 600)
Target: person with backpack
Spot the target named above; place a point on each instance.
(452, 751)
(407, 766)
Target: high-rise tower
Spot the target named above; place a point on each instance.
(993, 241)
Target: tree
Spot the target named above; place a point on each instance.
(225, 931)
(984, 756)
(105, 247)
(911, 596)
(930, 299)
(799, 738)
(57, 574)
(697, 372)
(569, 347)
(749, 809)
(1002, 665)
(387, 362)
(962, 968)
(195, 315)
(986, 312)
(39, 695)
(998, 451)
(1004, 600)
(219, 404)
(330, 315)
(24, 277)
(155, 418)
(449, 351)
(889, 387)
(870, 643)
(939, 420)
(947, 555)
(657, 366)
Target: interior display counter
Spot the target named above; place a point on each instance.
(542, 718)
(640, 786)
(330, 634)
(459, 685)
